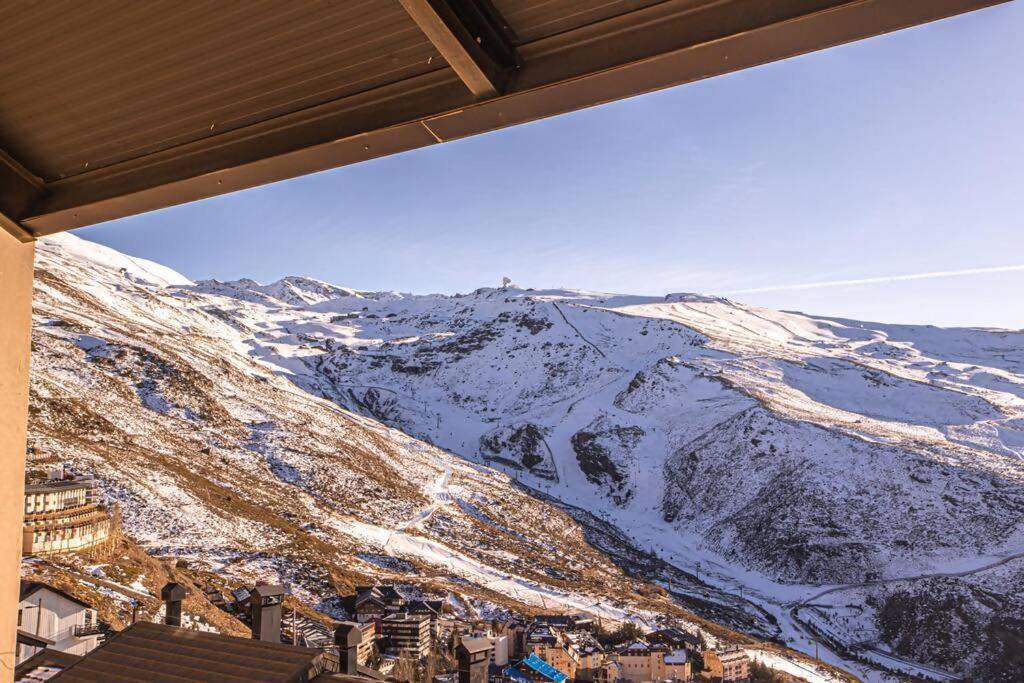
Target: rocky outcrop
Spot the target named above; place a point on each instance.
(521, 445)
(605, 452)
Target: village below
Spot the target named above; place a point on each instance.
(304, 482)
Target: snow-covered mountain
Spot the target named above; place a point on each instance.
(293, 291)
(894, 447)
(767, 452)
(216, 458)
(219, 461)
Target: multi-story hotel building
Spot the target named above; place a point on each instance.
(407, 634)
(640, 661)
(63, 514)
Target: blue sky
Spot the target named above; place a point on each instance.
(900, 155)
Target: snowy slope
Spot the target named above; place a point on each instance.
(769, 451)
(198, 431)
(778, 448)
(911, 439)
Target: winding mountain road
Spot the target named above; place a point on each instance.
(882, 582)
(897, 661)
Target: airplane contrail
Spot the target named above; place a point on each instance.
(880, 280)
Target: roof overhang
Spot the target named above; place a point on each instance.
(32, 640)
(86, 147)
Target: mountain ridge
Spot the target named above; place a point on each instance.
(766, 452)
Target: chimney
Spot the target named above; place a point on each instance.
(265, 611)
(347, 636)
(172, 595)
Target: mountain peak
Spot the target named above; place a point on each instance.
(777, 451)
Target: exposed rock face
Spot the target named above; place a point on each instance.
(605, 452)
(521, 445)
(785, 509)
(929, 620)
(378, 403)
(624, 401)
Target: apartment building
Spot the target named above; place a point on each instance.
(640, 661)
(52, 619)
(63, 515)
(404, 633)
(735, 664)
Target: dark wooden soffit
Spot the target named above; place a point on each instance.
(479, 82)
(19, 190)
(472, 37)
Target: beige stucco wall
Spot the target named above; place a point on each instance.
(678, 672)
(65, 539)
(649, 666)
(15, 330)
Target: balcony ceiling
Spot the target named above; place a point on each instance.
(109, 109)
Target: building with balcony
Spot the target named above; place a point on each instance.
(49, 618)
(533, 669)
(735, 664)
(551, 644)
(640, 661)
(407, 634)
(63, 515)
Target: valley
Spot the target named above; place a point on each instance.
(632, 457)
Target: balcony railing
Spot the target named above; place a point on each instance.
(86, 630)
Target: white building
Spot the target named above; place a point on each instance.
(500, 644)
(48, 616)
(499, 650)
(63, 515)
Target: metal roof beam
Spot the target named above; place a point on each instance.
(19, 190)
(473, 39)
